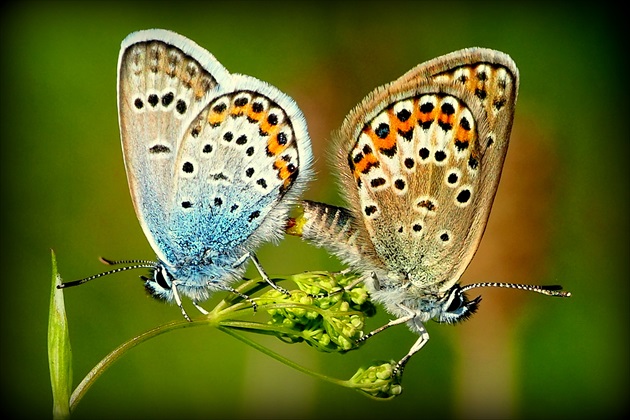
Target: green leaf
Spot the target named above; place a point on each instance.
(59, 351)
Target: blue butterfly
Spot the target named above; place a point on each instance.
(214, 163)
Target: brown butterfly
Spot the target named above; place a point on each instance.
(420, 161)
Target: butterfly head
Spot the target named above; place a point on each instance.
(455, 306)
(169, 283)
(449, 307)
(160, 283)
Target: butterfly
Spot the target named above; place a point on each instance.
(419, 161)
(214, 163)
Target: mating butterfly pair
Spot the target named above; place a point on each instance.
(216, 160)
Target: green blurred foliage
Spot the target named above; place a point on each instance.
(64, 187)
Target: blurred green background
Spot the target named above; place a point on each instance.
(560, 215)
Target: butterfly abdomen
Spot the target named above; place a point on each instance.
(332, 228)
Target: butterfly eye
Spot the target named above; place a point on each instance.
(457, 302)
(457, 307)
(161, 278)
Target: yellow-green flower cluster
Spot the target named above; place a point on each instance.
(321, 311)
(378, 381)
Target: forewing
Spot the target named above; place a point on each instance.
(421, 160)
(164, 81)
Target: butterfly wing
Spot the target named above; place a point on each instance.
(164, 80)
(242, 162)
(191, 132)
(421, 159)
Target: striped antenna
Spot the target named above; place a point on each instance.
(136, 264)
(113, 262)
(553, 290)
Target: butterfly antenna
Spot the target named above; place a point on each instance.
(107, 261)
(554, 290)
(140, 264)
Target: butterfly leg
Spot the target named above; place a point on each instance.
(199, 308)
(353, 284)
(401, 320)
(341, 289)
(422, 340)
(242, 296)
(261, 270)
(178, 301)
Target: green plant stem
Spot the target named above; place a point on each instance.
(228, 317)
(212, 319)
(108, 360)
(280, 358)
(218, 319)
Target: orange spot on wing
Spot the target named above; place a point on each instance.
(273, 146)
(363, 166)
(404, 126)
(287, 172)
(282, 167)
(464, 135)
(266, 127)
(447, 119)
(253, 115)
(383, 144)
(238, 111)
(423, 117)
(216, 118)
